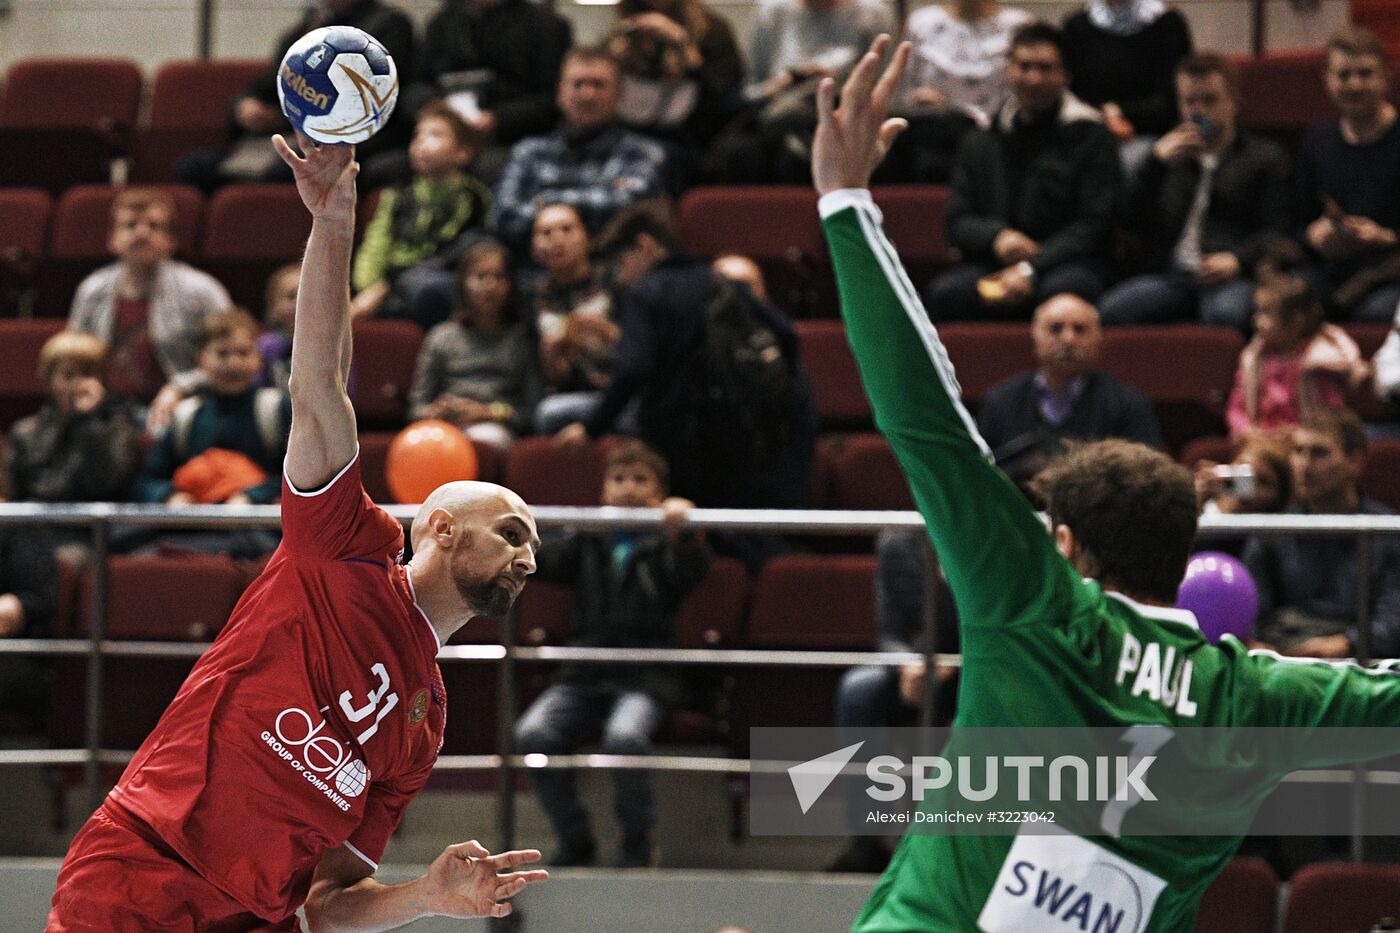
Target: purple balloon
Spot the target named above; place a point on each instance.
(1220, 591)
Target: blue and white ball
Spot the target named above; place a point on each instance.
(338, 84)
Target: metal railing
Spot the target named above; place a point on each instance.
(101, 518)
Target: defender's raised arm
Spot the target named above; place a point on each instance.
(323, 436)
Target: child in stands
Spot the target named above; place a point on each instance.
(1296, 362)
(404, 266)
(628, 589)
(479, 370)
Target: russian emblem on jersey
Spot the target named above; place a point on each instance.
(337, 84)
(418, 709)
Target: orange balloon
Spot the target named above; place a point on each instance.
(425, 455)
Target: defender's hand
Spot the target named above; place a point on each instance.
(325, 177)
(853, 138)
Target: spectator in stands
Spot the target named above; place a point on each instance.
(956, 82)
(405, 265)
(225, 444)
(1347, 169)
(1211, 203)
(574, 313)
(1027, 419)
(628, 589)
(1308, 587)
(256, 115)
(664, 308)
(1264, 485)
(870, 696)
(793, 44)
(1033, 197)
(497, 63)
(275, 344)
(479, 370)
(83, 445)
(147, 306)
(590, 161)
(797, 41)
(1295, 364)
(27, 599)
(1123, 55)
(681, 70)
(741, 269)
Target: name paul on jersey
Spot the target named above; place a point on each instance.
(1158, 674)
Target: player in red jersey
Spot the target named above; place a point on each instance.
(287, 758)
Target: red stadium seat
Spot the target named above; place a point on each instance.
(774, 225)
(250, 231)
(1186, 370)
(1381, 481)
(385, 354)
(1282, 93)
(63, 119)
(74, 93)
(197, 92)
(985, 354)
(836, 388)
(867, 476)
(915, 223)
(1340, 898)
(1242, 899)
(24, 223)
(78, 241)
(713, 615)
(21, 391)
(791, 585)
(166, 598)
(543, 473)
(190, 99)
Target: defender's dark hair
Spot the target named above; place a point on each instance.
(1132, 510)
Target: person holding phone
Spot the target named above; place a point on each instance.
(1212, 203)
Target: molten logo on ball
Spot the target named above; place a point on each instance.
(338, 84)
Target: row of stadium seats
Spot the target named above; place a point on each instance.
(1325, 897)
(245, 231)
(82, 111)
(1186, 370)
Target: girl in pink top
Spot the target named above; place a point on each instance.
(1296, 362)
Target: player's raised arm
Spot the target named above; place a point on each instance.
(993, 549)
(323, 436)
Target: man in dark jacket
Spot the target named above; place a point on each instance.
(628, 588)
(1033, 197)
(1027, 419)
(507, 53)
(663, 319)
(1211, 203)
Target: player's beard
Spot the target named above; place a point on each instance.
(488, 596)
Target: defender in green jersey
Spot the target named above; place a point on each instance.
(1044, 645)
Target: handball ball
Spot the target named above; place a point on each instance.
(337, 84)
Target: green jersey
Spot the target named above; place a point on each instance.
(1043, 647)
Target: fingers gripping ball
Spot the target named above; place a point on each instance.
(1220, 591)
(337, 84)
(425, 455)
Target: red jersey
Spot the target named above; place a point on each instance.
(313, 719)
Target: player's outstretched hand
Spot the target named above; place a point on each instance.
(853, 138)
(325, 176)
(468, 881)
